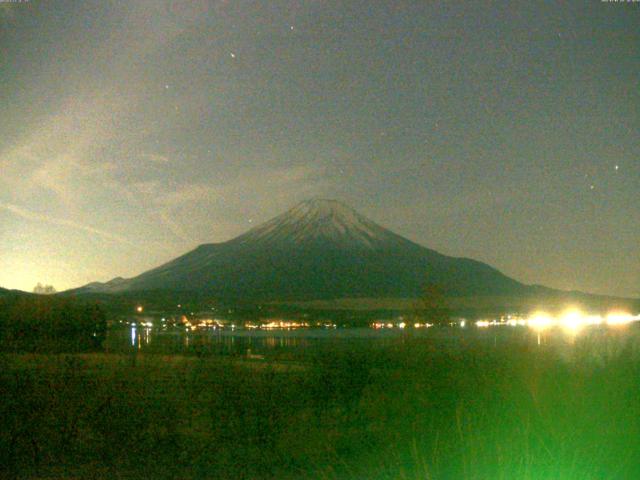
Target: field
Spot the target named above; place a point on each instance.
(408, 409)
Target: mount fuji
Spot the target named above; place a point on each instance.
(320, 249)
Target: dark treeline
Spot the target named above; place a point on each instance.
(50, 324)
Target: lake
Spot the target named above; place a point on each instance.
(297, 342)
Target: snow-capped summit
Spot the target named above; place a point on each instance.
(320, 220)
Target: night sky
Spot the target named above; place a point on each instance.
(507, 132)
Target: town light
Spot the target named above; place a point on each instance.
(540, 321)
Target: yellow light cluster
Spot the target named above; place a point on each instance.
(571, 320)
(401, 325)
(283, 324)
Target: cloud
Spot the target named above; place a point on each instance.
(61, 154)
(154, 157)
(71, 152)
(258, 182)
(88, 154)
(187, 194)
(175, 228)
(37, 217)
(217, 208)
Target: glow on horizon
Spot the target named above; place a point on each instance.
(540, 321)
(572, 320)
(620, 318)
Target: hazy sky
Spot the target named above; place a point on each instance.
(133, 131)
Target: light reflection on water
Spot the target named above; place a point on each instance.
(236, 340)
(600, 339)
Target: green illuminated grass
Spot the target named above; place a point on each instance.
(407, 410)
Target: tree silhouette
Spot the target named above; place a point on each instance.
(44, 289)
(431, 306)
(50, 324)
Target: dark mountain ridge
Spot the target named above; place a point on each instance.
(320, 249)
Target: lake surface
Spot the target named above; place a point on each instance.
(294, 343)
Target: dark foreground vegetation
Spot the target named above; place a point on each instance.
(405, 410)
(43, 323)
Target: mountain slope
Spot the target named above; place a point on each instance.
(14, 293)
(319, 249)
